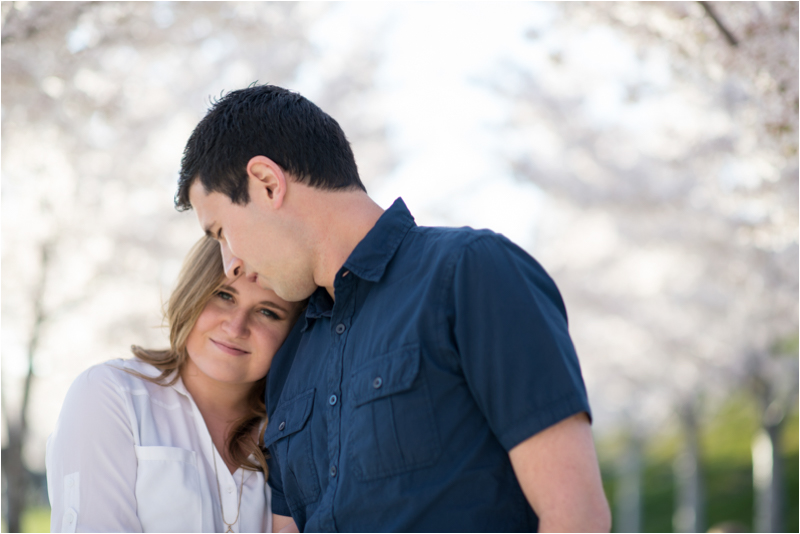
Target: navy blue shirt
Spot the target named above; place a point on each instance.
(394, 407)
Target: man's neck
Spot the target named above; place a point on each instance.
(340, 220)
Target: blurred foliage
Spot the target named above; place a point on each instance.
(98, 101)
(726, 465)
(34, 520)
(697, 211)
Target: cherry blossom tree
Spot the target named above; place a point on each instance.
(671, 157)
(98, 101)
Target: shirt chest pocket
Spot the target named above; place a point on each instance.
(393, 427)
(168, 490)
(289, 440)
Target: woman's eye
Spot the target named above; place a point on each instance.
(224, 295)
(268, 313)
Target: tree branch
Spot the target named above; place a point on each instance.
(728, 35)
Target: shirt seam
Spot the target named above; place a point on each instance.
(448, 296)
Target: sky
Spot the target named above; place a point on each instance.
(440, 66)
(435, 85)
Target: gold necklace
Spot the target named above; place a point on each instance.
(222, 508)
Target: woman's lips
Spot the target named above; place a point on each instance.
(228, 349)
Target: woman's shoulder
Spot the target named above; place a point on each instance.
(125, 373)
(117, 382)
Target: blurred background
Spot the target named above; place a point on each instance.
(645, 153)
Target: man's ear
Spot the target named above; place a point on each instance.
(267, 181)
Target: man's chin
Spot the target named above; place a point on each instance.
(288, 292)
(263, 284)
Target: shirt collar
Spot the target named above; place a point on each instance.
(320, 304)
(178, 385)
(370, 257)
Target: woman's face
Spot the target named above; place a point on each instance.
(238, 333)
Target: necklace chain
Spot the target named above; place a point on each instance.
(219, 492)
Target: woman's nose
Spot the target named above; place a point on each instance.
(235, 325)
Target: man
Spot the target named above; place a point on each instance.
(432, 384)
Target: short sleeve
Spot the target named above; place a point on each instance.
(91, 460)
(510, 327)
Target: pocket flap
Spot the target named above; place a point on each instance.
(289, 417)
(389, 374)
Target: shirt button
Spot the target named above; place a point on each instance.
(333, 470)
(332, 400)
(378, 382)
(282, 425)
(230, 489)
(340, 328)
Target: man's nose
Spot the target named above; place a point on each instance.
(232, 265)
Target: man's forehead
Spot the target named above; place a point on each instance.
(198, 198)
(204, 202)
(197, 191)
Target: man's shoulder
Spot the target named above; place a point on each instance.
(432, 245)
(453, 240)
(454, 235)
(480, 257)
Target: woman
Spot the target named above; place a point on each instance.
(170, 441)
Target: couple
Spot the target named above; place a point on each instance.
(420, 379)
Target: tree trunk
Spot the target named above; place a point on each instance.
(768, 479)
(13, 463)
(16, 481)
(628, 494)
(689, 513)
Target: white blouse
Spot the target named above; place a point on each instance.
(128, 455)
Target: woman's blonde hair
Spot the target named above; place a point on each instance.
(200, 278)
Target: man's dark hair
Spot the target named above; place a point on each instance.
(265, 120)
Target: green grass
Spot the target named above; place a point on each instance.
(659, 497)
(727, 469)
(35, 519)
(727, 472)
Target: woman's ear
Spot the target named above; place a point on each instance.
(267, 181)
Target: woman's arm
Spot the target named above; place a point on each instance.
(91, 460)
(281, 523)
